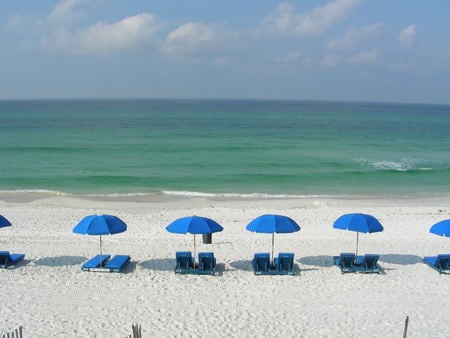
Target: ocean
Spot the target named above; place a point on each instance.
(224, 147)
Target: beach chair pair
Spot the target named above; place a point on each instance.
(103, 263)
(8, 259)
(282, 265)
(348, 262)
(185, 263)
(440, 263)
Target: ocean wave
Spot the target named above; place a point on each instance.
(35, 191)
(187, 194)
(241, 195)
(78, 194)
(404, 165)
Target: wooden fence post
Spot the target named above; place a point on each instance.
(405, 331)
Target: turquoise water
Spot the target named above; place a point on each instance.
(225, 147)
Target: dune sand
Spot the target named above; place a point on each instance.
(50, 296)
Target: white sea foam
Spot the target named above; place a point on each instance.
(241, 195)
(402, 165)
(35, 191)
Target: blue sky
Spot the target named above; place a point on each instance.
(374, 50)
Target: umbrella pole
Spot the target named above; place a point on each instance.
(273, 241)
(357, 240)
(194, 252)
(100, 250)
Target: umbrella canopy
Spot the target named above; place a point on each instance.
(359, 223)
(271, 224)
(441, 228)
(100, 225)
(194, 225)
(4, 222)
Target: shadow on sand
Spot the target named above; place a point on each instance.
(242, 265)
(401, 259)
(220, 268)
(159, 264)
(323, 261)
(60, 261)
(130, 267)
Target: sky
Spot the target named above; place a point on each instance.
(346, 50)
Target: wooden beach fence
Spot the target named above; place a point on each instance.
(137, 333)
(17, 333)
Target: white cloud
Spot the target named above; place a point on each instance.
(56, 31)
(330, 60)
(285, 22)
(67, 10)
(406, 36)
(290, 57)
(279, 22)
(354, 36)
(293, 57)
(188, 38)
(63, 14)
(365, 56)
(194, 39)
(129, 33)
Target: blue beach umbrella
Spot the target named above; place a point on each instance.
(441, 228)
(358, 223)
(194, 225)
(271, 224)
(100, 225)
(4, 222)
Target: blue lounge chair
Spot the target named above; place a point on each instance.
(367, 263)
(284, 263)
(118, 263)
(95, 262)
(7, 259)
(345, 261)
(206, 263)
(440, 263)
(261, 263)
(184, 262)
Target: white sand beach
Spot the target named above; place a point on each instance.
(50, 296)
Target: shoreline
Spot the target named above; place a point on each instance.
(196, 198)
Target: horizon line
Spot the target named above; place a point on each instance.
(218, 99)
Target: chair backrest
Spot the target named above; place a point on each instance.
(5, 257)
(261, 261)
(347, 259)
(443, 261)
(286, 261)
(206, 260)
(370, 261)
(184, 259)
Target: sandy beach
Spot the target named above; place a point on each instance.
(50, 296)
